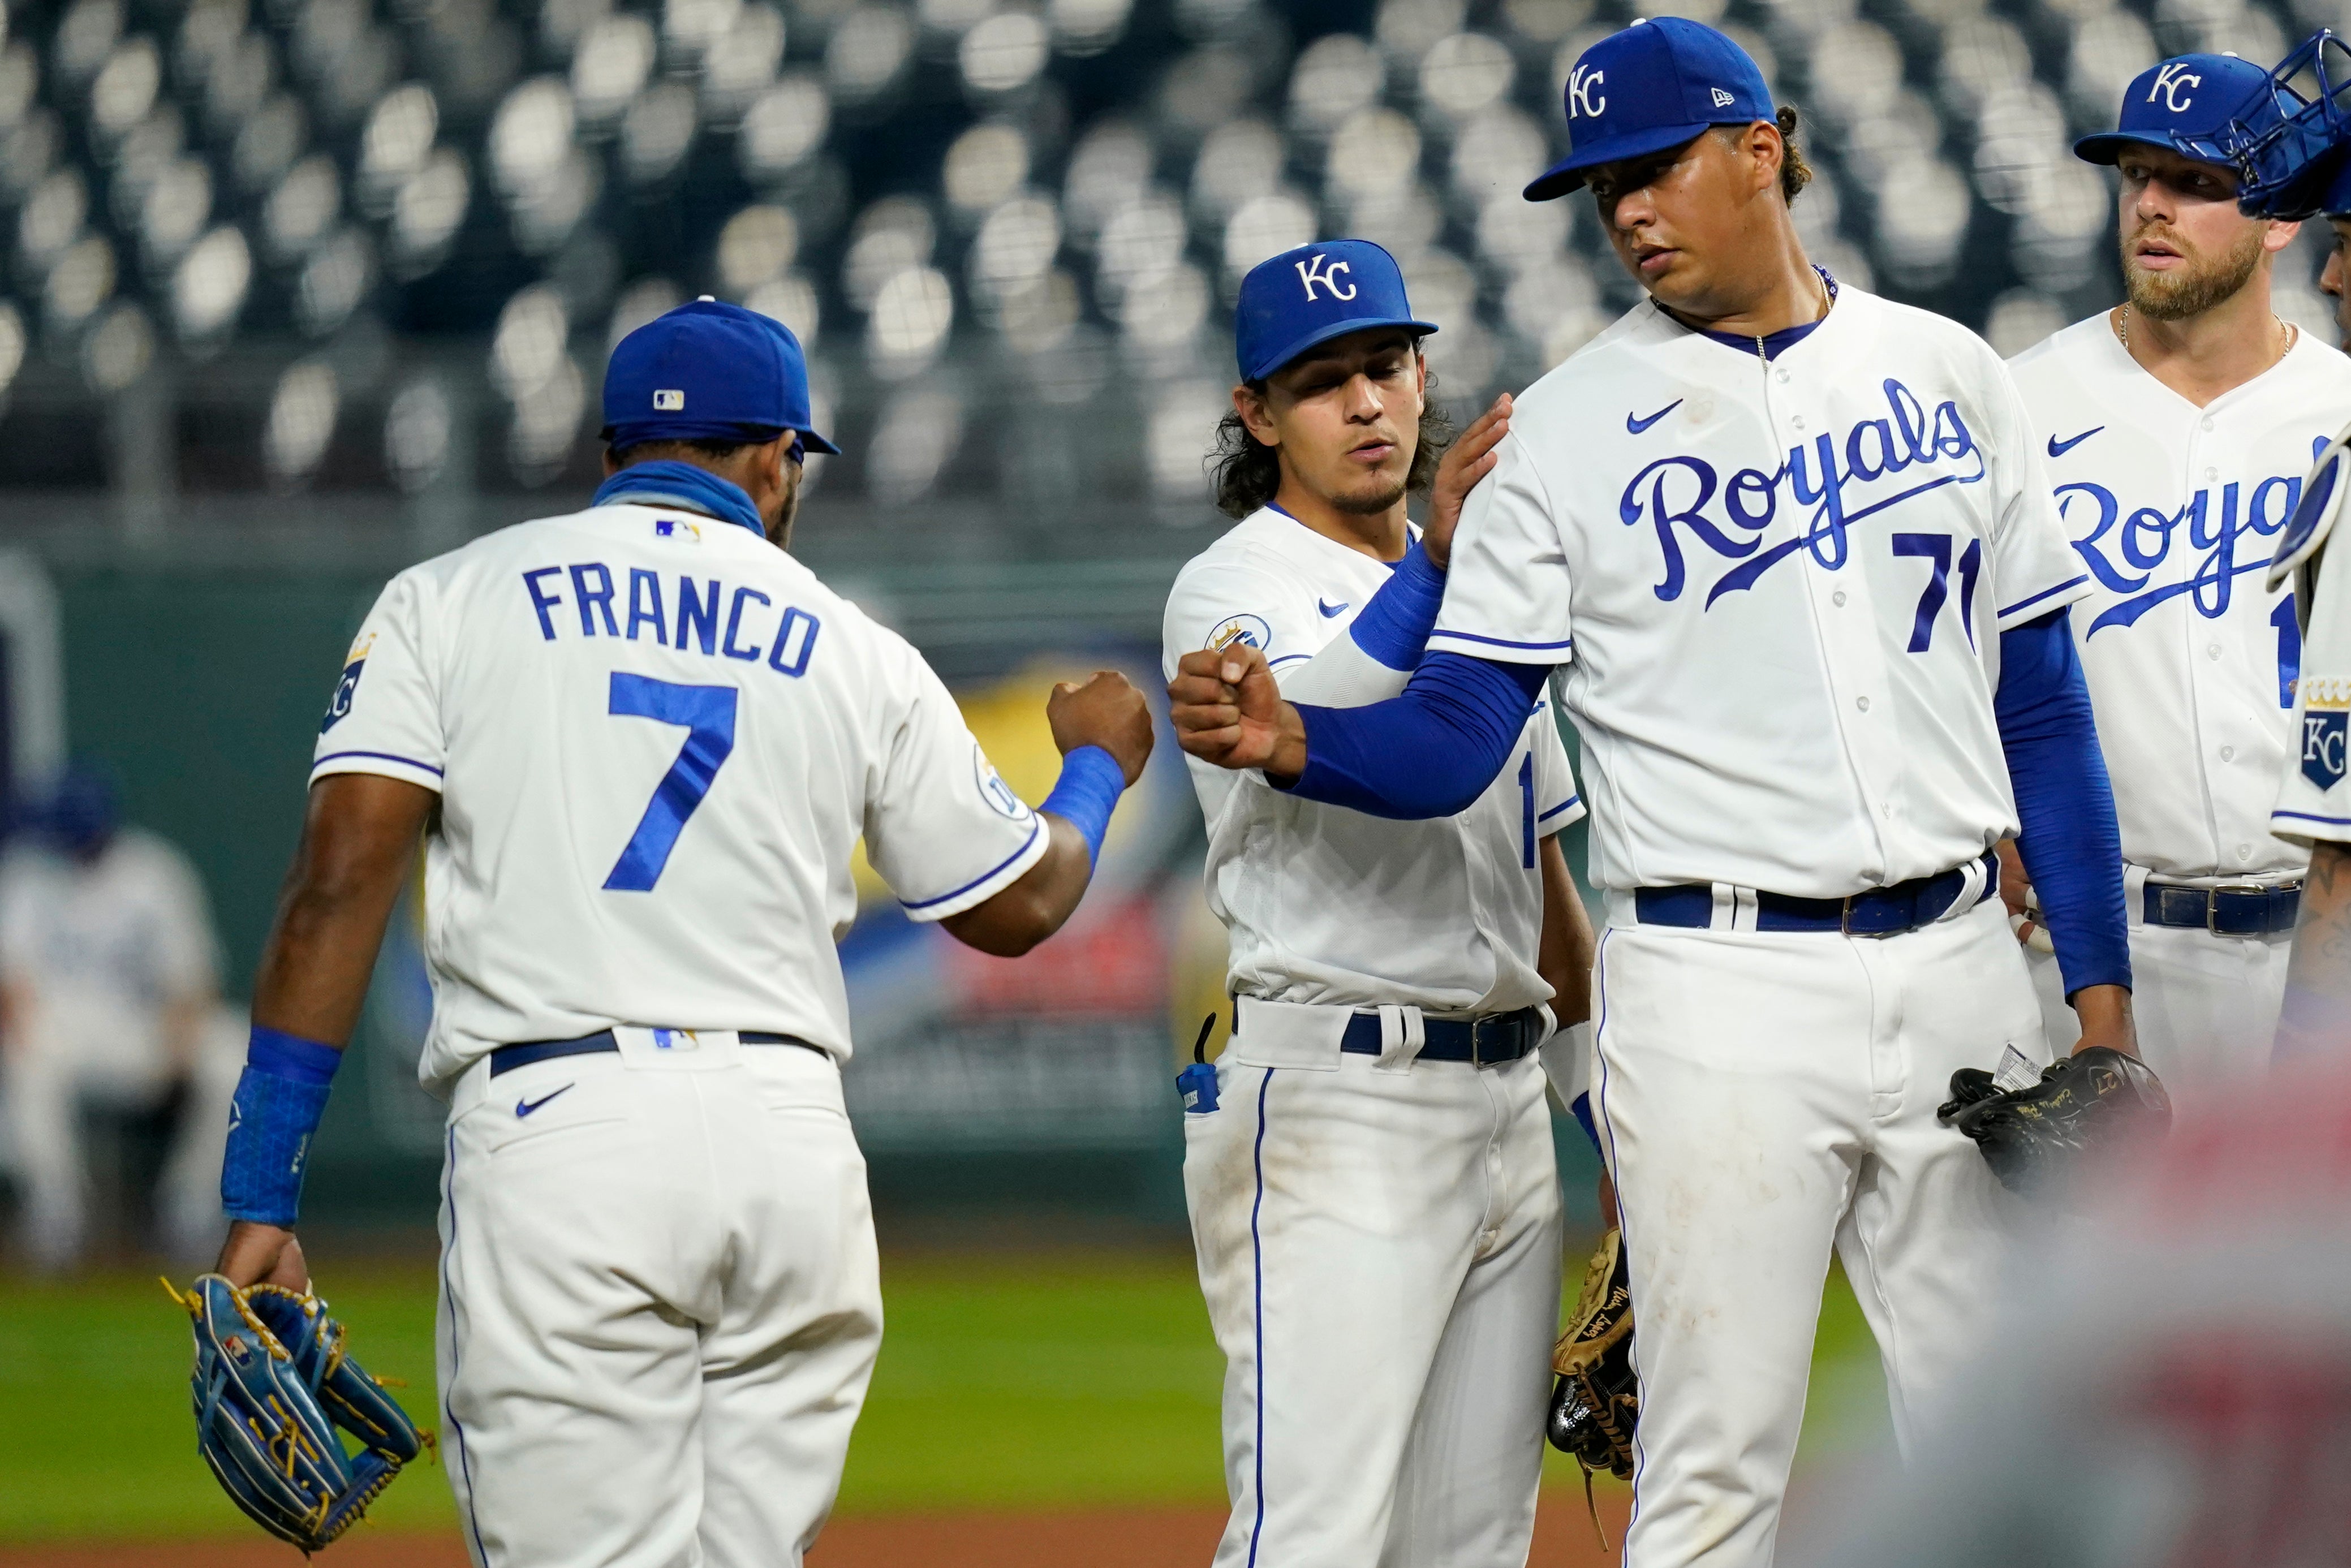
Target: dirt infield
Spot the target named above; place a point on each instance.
(1126, 1538)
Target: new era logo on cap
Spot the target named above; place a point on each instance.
(669, 402)
(1723, 99)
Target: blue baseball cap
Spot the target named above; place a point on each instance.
(2181, 99)
(1653, 86)
(707, 371)
(1313, 294)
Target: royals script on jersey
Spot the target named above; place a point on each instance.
(1778, 590)
(657, 739)
(1326, 905)
(2174, 509)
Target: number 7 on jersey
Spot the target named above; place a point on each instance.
(708, 715)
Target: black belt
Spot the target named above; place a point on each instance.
(1504, 1036)
(1879, 912)
(2241, 910)
(507, 1058)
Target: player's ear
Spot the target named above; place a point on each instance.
(1249, 402)
(2279, 235)
(1769, 151)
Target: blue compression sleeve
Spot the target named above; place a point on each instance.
(1394, 627)
(1086, 794)
(1428, 753)
(278, 1103)
(2071, 845)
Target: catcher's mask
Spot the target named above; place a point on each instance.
(2287, 136)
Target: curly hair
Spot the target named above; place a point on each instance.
(1248, 473)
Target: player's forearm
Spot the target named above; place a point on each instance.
(1429, 753)
(2317, 1012)
(1564, 956)
(2068, 838)
(1383, 646)
(360, 839)
(1017, 918)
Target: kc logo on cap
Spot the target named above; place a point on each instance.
(1320, 271)
(1648, 89)
(2181, 105)
(1312, 294)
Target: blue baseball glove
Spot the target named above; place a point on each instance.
(273, 1381)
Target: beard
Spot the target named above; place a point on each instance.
(1378, 494)
(2191, 290)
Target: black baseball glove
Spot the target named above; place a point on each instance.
(1596, 1400)
(273, 1381)
(2085, 1102)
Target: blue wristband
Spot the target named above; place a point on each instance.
(278, 1103)
(1086, 794)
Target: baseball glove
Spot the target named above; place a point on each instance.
(1596, 1400)
(273, 1381)
(2085, 1102)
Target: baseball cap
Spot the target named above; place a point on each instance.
(2184, 97)
(704, 371)
(1650, 88)
(1312, 294)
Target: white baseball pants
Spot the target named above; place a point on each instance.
(1378, 1243)
(2207, 1006)
(1764, 1098)
(660, 1306)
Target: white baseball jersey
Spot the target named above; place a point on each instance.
(2312, 802)
(1777, 589)
(2173, 510)
(1329, 906)
(101, 947)
(657, 739)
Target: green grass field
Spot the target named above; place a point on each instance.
(1006, 1382)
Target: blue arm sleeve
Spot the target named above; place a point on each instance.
(1394, 626)
(1428, 753)
(2071, 845)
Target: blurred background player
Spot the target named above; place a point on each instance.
(2178, 428)
(639, 744)
(1371, 1182)
(109, 1000)
(1774, 531)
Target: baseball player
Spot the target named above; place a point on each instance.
(2177, 428)
(107, 994)
(1792, 549)
(639, 743)
(1369, 1171)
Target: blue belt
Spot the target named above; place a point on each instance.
(1504, 1036)
(507, 1058)
(2245, 911)
(1879, 912)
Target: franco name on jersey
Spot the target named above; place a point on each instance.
(751, 630)
(1842, 477)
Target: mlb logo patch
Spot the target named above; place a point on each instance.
(668, 402)
(677, 528)
(2323, 738)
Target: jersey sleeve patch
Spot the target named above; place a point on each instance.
(1241, 630)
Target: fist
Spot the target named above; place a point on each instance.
(1469, 459)
(1107, 711)
(1227, 711)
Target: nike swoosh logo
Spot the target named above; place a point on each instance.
(1634, 426)
(524, 1107)
(1330, 609)
(2059, 449)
